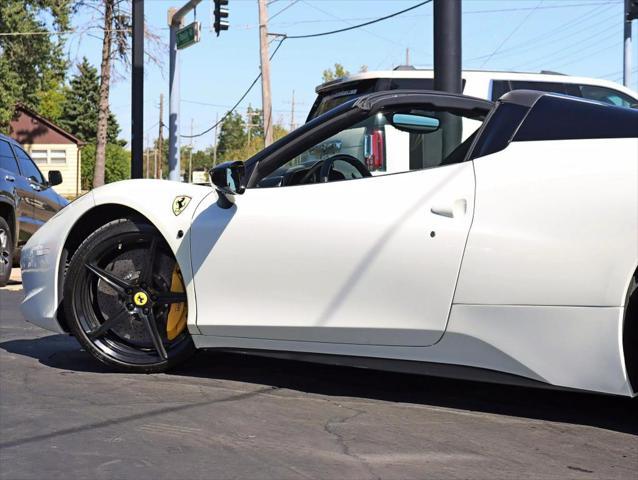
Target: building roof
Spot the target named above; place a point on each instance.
(39, 130)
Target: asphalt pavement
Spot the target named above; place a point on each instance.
(231, 416)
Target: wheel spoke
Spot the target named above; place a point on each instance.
(149, 320)
(107, 325)
(171, 297)
(117, 283)
(147, 271)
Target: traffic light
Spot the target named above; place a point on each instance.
(632, 10)
(221, 16)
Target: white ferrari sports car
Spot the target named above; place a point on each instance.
(502, 245)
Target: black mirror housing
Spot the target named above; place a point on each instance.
(55, 177)
(228, 178)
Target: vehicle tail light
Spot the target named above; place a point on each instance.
(374, 149)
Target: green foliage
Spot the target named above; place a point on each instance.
(79, 110)
(253, 146)
(339, 71)
(332, 74)
(32, 67)
(232, 134)
(234, 143)
(118, 164)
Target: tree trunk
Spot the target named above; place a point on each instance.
(103, 105)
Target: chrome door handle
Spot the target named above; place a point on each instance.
(9, 178)
(455, 210)
(35, 187)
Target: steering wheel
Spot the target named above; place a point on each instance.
(327, 164)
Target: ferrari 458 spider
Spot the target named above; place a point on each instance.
(404, 230)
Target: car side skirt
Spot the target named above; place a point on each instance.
(567, 347)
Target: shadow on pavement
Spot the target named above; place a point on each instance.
(607, 412)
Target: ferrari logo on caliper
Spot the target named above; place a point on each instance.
(140, 299)
(180, 203)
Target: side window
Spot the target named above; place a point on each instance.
(27, 166)
(606, 95)
(501, 87)
(390, 142)
(7, 160)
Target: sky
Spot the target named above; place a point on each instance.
(578, 37)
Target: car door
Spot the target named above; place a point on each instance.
(369, 261)
(43, 199)
(17, 190)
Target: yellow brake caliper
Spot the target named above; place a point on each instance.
(178, 312)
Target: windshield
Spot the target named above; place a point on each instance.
(328, 100)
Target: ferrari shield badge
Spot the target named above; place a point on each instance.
(180, 203)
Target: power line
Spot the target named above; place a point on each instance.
(548, 36)
(340, 30)
(63, 32)
(241, 99)
(564, 53)
(284, 9)
(511, 34)
(283, 38)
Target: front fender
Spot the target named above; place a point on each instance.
(42, 257)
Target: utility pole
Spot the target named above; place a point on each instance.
(627, 18)
(161, 126)
(407, 56)
(215, 134)
(155, 169)
(292, 112)
(137, 91)
(447, 65)
(266, 102)
(190, 156)
(175, 18)
(146, 156)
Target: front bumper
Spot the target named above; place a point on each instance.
(40, 263)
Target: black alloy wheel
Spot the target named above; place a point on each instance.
(6, 252)
(117, 296)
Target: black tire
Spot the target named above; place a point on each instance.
(117, 267)
(6, 252)
(630, 333)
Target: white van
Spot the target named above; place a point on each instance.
(370, 141)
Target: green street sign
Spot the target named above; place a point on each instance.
(188, 35)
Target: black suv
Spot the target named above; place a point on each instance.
(26, 202)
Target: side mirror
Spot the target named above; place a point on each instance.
(228, 178)
(55, 177)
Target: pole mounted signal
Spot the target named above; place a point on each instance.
(220, 21)
(631, 10)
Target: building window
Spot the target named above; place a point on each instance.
(57, 156)
(39, 156)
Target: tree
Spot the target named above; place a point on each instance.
(232, 134)
(114, 46)
(117, 164)
(253, 146)
(32, 67)
(256, 120)
(80, 106)
(338, 72)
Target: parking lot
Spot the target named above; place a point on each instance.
(62, 415)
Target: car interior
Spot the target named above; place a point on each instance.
(387, 142)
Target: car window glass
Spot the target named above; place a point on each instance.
(27, 166)
(376, 147)
(501, 87)
(7, 160)
(606, 95)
